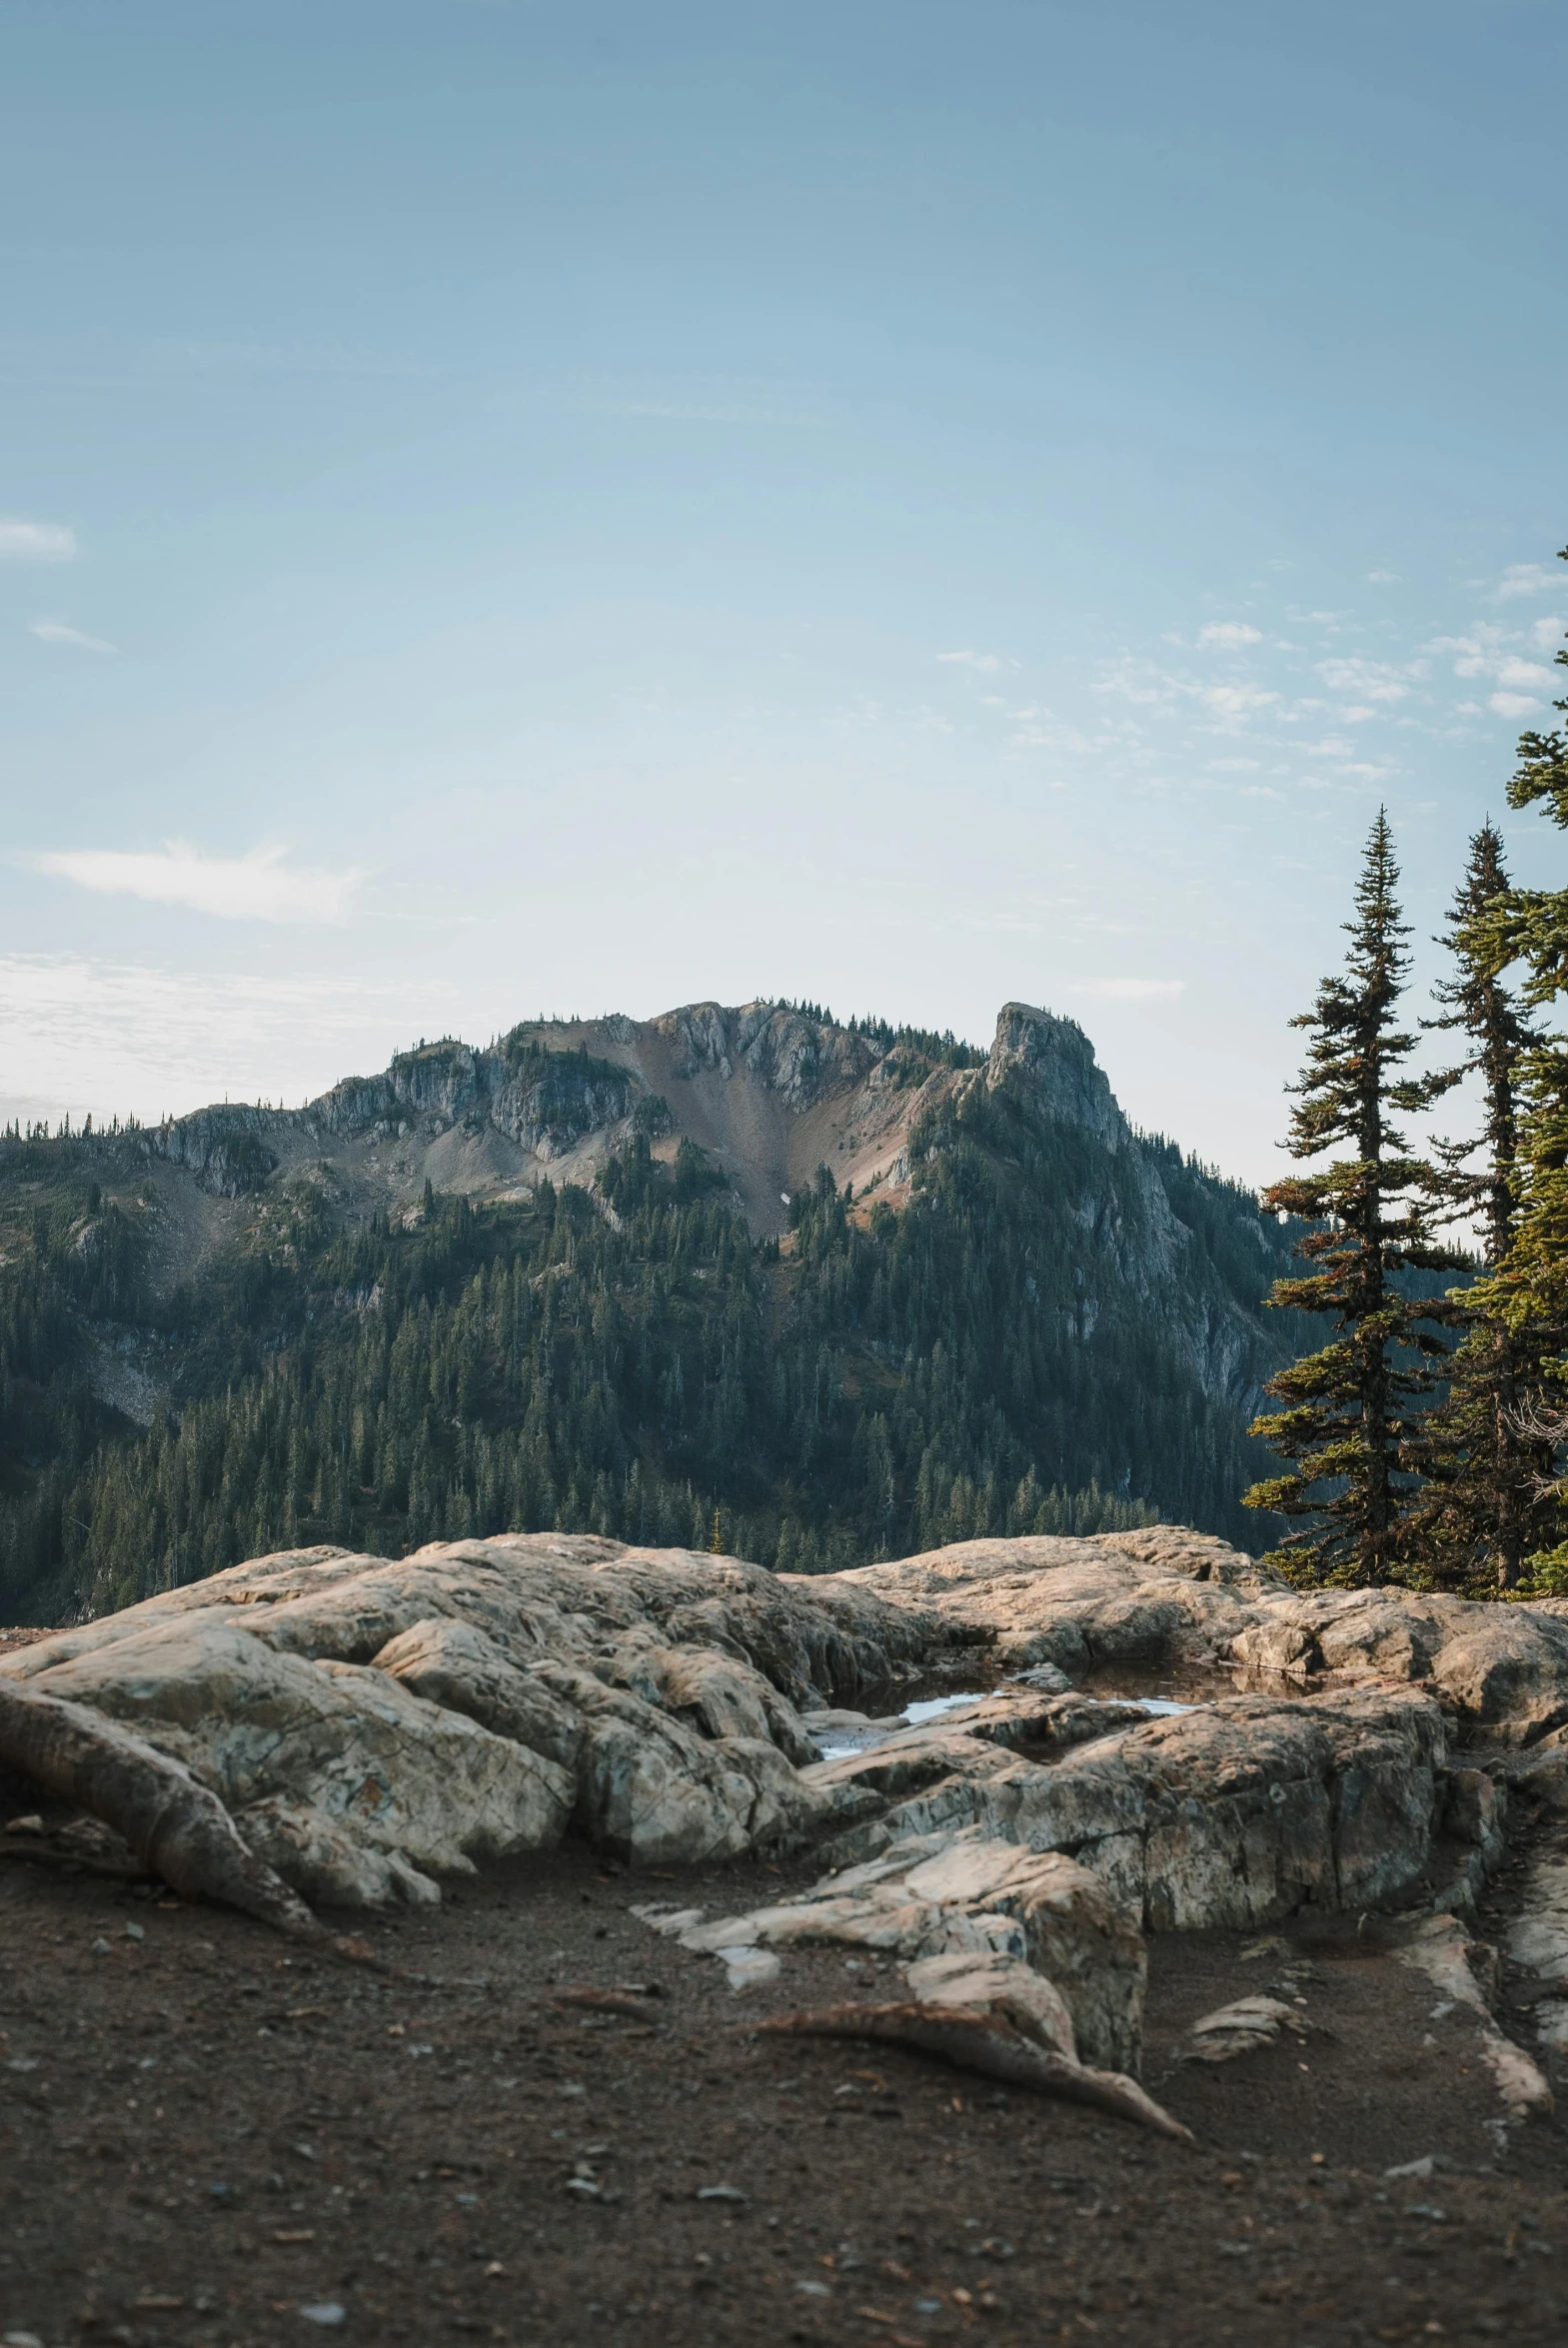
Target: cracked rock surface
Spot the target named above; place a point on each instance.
(352, 1732)
(371, 1724)
(370, 1727)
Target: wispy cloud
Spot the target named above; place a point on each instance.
(1521, 579)
(987, 662)
(56, 632)
(1384, 577)
(1485, 653)
(36, 542)
(1129, 989)
(1227, 636)
(1368, 680)
(259, 887)
(117, 1037)
(1231, 705)
(1228, 707)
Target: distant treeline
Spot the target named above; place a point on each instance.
(939, 1047)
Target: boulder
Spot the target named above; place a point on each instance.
(1084, 1605)
(1164, 1596)
(1235, 1814)
(1241, 2027)
(964, 1897)
(368, 1717)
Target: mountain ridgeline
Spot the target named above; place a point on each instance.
(815, 1293)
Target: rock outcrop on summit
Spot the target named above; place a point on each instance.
(324, 1728)
(370, 1726)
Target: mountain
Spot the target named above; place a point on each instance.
(768, 1093)
(839, 1291)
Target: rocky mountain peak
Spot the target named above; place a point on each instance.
(768, 1091)
(1056, 1060)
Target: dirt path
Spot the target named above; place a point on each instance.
(206, 2139)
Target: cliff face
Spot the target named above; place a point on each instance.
(546, 1102)
(768, 1094)
(1136, 1241)
(1057, 1061)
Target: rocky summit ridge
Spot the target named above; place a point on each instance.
(768, 1093)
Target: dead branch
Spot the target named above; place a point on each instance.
(605, 2001)
(979, 2042)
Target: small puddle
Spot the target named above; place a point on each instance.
(1107, 1686)
(1157, 1688)
(938, 1707)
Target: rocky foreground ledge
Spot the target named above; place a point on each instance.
(323, 1728)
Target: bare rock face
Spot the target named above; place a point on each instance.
(1084, 1605)
(1058, 1060)
(1233, 1814)
(393, 1774)
(370, 1726)
(365, 1726)
(316, 1727)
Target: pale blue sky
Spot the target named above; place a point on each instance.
(582, 507)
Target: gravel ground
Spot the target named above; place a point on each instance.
(209, 2139)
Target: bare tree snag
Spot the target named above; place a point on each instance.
(979, 2042)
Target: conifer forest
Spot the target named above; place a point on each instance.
(870, 1385)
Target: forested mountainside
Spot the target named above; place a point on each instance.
(252, 1331)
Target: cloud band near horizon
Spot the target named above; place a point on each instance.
(257, 887)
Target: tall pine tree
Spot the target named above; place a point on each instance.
(1481, 1512)
(1480, 1008)
(1350, 1421)
(1527, 1292)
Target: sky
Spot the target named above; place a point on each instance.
(538, 507)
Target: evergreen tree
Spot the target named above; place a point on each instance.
(1481, 1512)
(1350, 1420)
(1497, 1035)
(1526, 1294)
